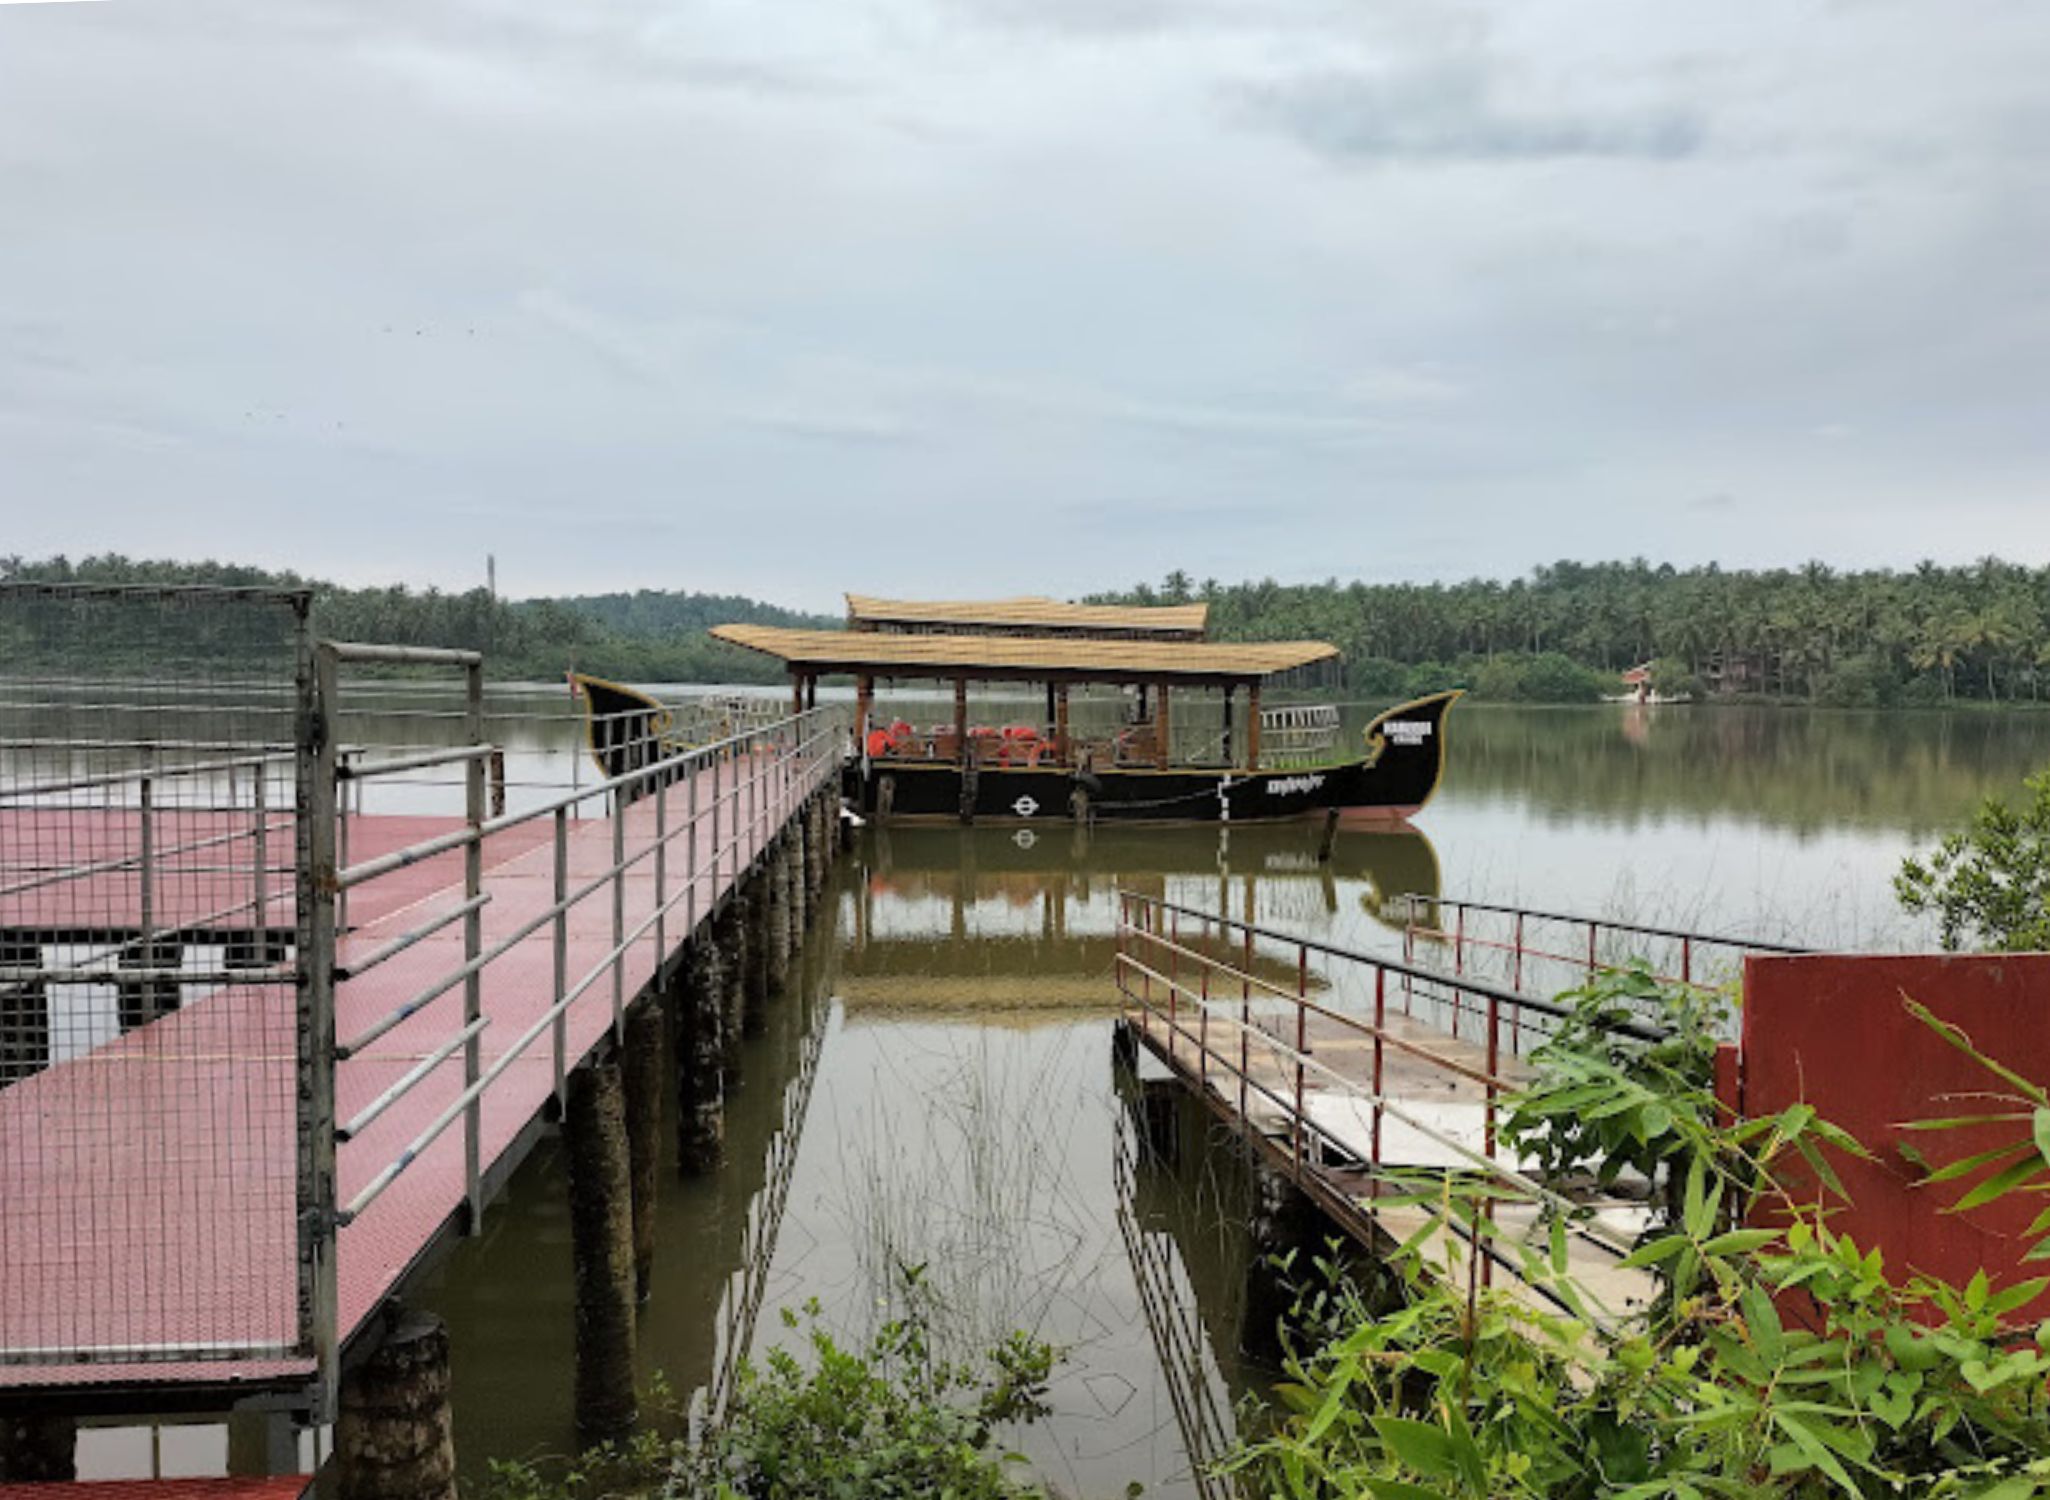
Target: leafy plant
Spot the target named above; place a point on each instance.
(890, 1419)
(1989, 884)
(1782, 1358)
(1626, 1083)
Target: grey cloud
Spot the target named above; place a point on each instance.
(1452, 112)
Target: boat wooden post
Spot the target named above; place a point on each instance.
(864, 692)
(796, 696)
(1229, 690)
(1163, 731)
(1060, 723)
(1253, 726)
(961, 748)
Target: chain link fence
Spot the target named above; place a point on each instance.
(152, 1051)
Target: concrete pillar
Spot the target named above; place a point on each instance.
(754, 1015)
(262, 1444)
(38, 1449)
(24, 1013)
(800, 888)
(1124, 1046)
(1159, 1106)
(778, 908)
(601, 1246)
(392, 1437)
(1285, 1219)
(700, 1062)
(641, 1074)
(729, 931)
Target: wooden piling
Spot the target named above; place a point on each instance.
(1286, 1223)
(754, 1015)
(777, 906)
(36, 1448)
(641, 1073)
(393, 1440)
(800, 888)
(729, 931)
(601, 1245)
(700, 1062)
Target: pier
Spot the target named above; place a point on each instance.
(1354, 1076)
(333, 1034)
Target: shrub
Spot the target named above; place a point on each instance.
(890, 1421)
(1990, 883)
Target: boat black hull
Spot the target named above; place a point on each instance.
(1395, 779)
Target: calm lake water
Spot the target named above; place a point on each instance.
(938, 1091)
(936, 1087)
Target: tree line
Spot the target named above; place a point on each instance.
(647, 636)
(1873, 638)
(1877, 637)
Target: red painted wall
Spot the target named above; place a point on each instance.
(1831, 1029)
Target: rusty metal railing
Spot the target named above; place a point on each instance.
(1522, 946)
(1192, 985)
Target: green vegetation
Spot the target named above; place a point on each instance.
(893, 1421)
(1780, 1359)
(1855, 639)
(650, 636)
(1989, 884)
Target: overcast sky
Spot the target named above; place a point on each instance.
(953, 297)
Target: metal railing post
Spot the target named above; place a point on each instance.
(1302, 1044)
(340, 803)
(661, 876)
(1686, 961)
(1486, 1230)
(691, 769)
(1245, 1023)
(717, 757)
(1517, 985)
(314, 855)
(473, 945)
(259, 891)
(1173, 980)
(1592, 929)
(146, 860)
(619, 917)
(1380, 1027)
(559, 941)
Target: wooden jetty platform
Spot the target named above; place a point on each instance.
(1359, 1077)
(214, 1199)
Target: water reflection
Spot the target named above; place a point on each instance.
(1801, 769)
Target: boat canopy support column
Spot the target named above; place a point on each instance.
(961, 719)
(864, 694)
(1163, 731)
(1253, 726)
(1229, 690)
(1060, 722)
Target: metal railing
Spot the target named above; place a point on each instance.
(1523, 946)
(151, 1045)
(1191, 982)
(711, 809)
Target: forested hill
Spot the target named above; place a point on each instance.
(1563, 634)
(1813, 634)
(648, 636)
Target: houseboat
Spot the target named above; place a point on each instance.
(1145, 718)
